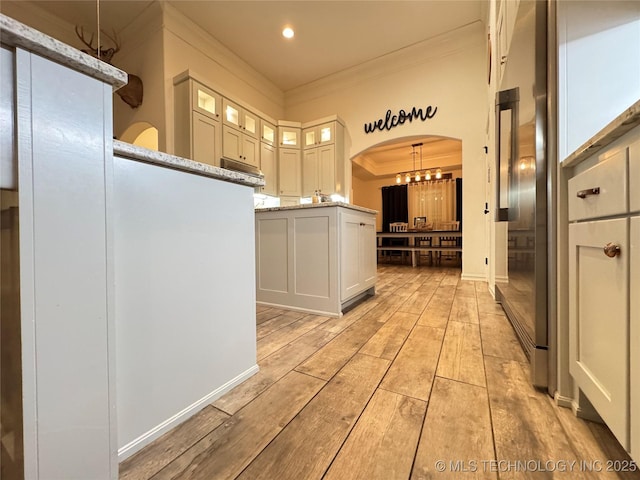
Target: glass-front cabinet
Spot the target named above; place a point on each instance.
(205, 100)
(267, 132)
(289, 136)
(240, 118)
(319, 135)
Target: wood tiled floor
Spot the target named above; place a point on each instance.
(427, 371)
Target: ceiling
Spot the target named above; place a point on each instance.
(331, 35)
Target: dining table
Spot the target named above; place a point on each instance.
(421, 240)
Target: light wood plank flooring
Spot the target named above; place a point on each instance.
(424, 380)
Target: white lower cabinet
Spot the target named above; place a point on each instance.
(317, 259)
(357, 256)
(604, 286)
(634, 344)
(598, 316)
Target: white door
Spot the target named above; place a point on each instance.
(598, 319)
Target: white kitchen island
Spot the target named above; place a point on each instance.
(318, 258)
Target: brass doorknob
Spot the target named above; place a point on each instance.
(611, 250)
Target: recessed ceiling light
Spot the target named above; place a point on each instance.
(288, 32)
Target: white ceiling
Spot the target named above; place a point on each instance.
(331, 35)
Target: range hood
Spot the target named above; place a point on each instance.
(231, 164)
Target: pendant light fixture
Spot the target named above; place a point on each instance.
(418, 175)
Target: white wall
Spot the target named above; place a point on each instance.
(448, 72)
(599, 67)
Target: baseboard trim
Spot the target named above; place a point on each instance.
(300, 309)
(502, 278)
(585, 414)
(473, 277)
(146, 438)
(562, 401)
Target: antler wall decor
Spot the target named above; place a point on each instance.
(132, 92)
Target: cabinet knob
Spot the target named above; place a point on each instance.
(611, 250)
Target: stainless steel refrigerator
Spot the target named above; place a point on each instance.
(523, 182)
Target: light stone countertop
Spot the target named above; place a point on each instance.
(16, 34)
(161, 159)
(318, 205)
(624, 122)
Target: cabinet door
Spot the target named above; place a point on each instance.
(326, 133)
(250, 124)
(231, 114)
(327, 168)
(268, 167)
(289, 137)
(250, 152)
(232, 143)
(289, 172)
(357, 254)
(368, 261)
(206, 140)
(205, 101)
(310, 181)
(268, 132)
(634, 286)
(350, 276)
(598, 320)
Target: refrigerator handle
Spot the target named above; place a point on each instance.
(506, 148)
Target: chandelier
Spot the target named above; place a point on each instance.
(418, 175)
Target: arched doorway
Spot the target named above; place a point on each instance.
(142, 134)
(379, 166)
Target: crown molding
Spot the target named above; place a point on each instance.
(183, 28)
(447, 44)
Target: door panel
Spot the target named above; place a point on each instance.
(598, 313)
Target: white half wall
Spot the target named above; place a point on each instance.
(185, 295)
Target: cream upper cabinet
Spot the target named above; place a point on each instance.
(319, 170)
(206, 101)
(323, 158)
(240, 118)
(269, 169)
(289, 172)
(319, 135)
(241, 147)
(197, 126)
(268, 132)
(289, 137)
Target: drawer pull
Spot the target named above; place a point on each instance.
(587, 192)
(611, 250)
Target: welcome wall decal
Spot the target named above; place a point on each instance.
(390, 121)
